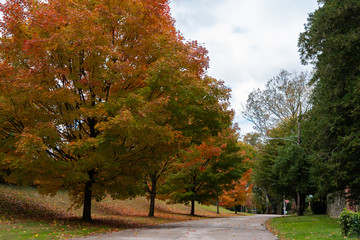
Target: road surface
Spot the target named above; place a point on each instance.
(239, 228)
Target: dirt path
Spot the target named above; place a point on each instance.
(240, 228)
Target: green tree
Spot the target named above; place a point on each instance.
(276, 112)
(194, 117)
(264, 178)
(331, 42)
(293, 169)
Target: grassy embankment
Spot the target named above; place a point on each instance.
(312, 227)
(24, 214)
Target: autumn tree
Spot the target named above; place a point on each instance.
(240, 191)
(203, 171)
(201, 115)
(91, 89)
(235, 159)
(190, 183)
(331, 42)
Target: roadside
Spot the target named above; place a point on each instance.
(314, 227)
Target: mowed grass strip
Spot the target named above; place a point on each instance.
(305, 227)
(24, 214)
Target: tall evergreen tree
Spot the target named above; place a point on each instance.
(331, 41)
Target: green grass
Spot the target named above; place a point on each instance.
(24, 214)
(35, 229)
(212, 208)
(305, 227)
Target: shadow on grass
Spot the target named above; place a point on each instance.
(23, 208)
(24, 204)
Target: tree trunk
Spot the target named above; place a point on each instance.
(299, 132)
(217, 207)
(87, 198)
(192, 208)
(152, 205)
(87, 191)
(300, 203)
(279, 207)
(152, 197)
(267, 204)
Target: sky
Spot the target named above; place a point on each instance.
(249, 41)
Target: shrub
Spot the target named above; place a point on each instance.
(318, 205)
(349, 223)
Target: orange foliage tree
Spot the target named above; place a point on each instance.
(203, 171)
(240, 193)
(92, 91)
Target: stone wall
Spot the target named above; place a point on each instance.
(335, 204)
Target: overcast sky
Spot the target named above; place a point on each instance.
(249, 41)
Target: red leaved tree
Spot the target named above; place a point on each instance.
(203, 171)
(240, 193)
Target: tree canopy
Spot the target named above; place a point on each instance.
(286, 96)
(277, 114)
(331, 42)
(93, 91)
(203, 172)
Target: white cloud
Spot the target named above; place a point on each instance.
(249, 42)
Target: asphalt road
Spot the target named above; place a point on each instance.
(239, 228)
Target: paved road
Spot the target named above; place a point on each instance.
(239, 228)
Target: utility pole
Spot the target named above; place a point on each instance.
(298, 207)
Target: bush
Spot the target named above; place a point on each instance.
(349, 223)
(318, 205)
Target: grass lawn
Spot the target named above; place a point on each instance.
(24, 214)
(305, 227)
(45, 229)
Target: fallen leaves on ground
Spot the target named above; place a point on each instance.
(24, 212)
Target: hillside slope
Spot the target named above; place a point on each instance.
(24, 214)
